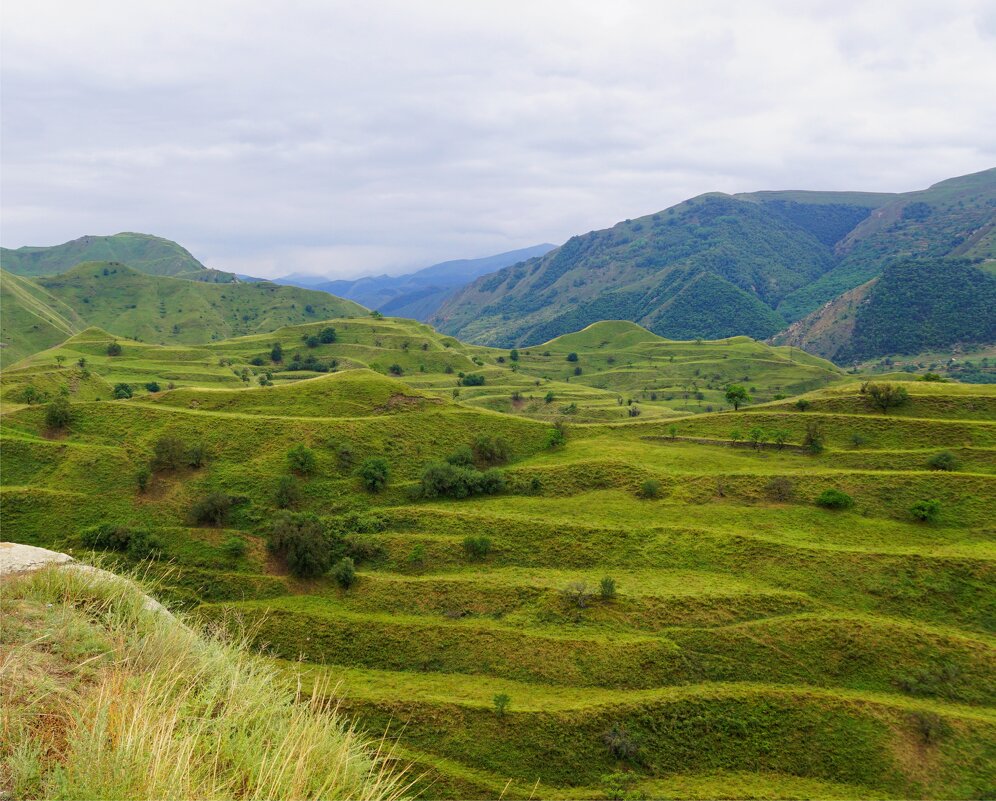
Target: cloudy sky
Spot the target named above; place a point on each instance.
(351, 138)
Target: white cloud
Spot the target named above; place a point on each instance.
(344, 139)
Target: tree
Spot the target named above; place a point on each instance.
(395, 369)
(327, 335)
(577, 595)
(835, 499)
(886, 396)
(142, 478)
(299, 540)
(501, 702)
(114, 349)
(513, 355)
(945, 460)
(492, 450)
(344, 573)
(672, 431)
(374, 474)
(81, 362)
(276, 352)
(301, 459)
(549, 397)
(312, 341)
(59, 359)
(780, 437)
(288, 493)
(572, 357)
(737, 395)
(472, 380)
(152, 386)
(555, 438)
(122, 391)
(757, 436)
(814, 440)
(212, 509)
(736, 435)
(58, 413)
(168, 453)
(802, 404)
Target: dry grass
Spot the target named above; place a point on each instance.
(103, 699)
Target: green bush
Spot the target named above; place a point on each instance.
(814, 440)
(607, 588)
(288, 492)
(327, 335)
(122, 391)
(492, 450)
(572, 357)
(926, 511)
(802, 404)
(621, 744)
(301, 459)
(137, 543)
(234, 547)
(885, 396)
(153, 386)
(142, 478)
(472, 380)
(945, 460)
(834, 499)
(502, 703)
(114, 349)
(374, 474)
(300, 541)
(58, 413)
(461, 457)
(555, 438)
(441, 479)
(197, 455)
(649, 489)
(212, 509)
(476, 547)
(344, 573)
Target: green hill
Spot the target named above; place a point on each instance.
(719, 265)
(158, 309)
(143, 252)
(648, 607)
(31, 319)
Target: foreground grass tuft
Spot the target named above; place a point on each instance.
(105, 699)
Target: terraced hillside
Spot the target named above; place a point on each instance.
(621, 371)
(647, 606)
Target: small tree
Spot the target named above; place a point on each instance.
(153, 386)
(780, 437)
(621, 744)
(650, 488)
(327, 335)
(344, 573)
(197, 455)
(945, 460)
(549, 397)
(122, 391)
(737, 395)
(59, 359)
(234, 547)
(142, 478)
(213, 509)
(288, 493)
(114, 349)
(58, 413)
(926, 511)
(886, 396)
(502, 703)
(814, 440)
(736, 435)
(757, 436)
(374, 473)
(555, 438)
(168, 453)
(277, 353)
(672, 431)
(301, 459)
(300, 541)
(577, 595)
(607, 588)
(802, 404)
(395, 369)
(572, 357)
(513, 355)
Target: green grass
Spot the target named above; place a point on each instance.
(757, 645)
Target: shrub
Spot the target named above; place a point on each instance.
(476, 547)
(142, 478)
(886, 396)
(168, 453)
(572, 357)
(513, 354)
(607, 588)
(651, 488)
(299, 540)
(472, 380)
(945, 460)
(453, 481)
(114, 349)
(736, 435)
(926, 511)
(549, 397)
(301, 459)
(620, 742)
(780, 437)
(576, 595)
(802, 404)
(137, 543)
(555, 438)
(578, 371)
(276, 352)
(212, 509)
(857, 440)
(288, 492)
(492, 450)
(395, 369)
(374, 473)
(758, 436)
(152, 386)
(813, 442)
(502, 703)
(327, 335)
(58, 414)
(122, 391)
(345, 457)
(197, 455)
(344, 573)
(143, 545)
(672, 431)
(234, 547)
(834, 499)
(779, 489)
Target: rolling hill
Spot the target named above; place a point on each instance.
(40, 312)
(721, 265)
(143, 252)
(645, 606)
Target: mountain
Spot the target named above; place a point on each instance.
(143, 252)
(415, 295)
(721, 265)
(38, 313)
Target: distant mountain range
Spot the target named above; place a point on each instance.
(757, 263)
(415, 295)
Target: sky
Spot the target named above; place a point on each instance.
(345, 138)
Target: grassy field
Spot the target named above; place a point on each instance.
(655, 605)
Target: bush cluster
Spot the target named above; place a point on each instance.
(300, 541)
(137, 543)
(834, 499)
(442, 479)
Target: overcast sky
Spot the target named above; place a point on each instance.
(351, 138)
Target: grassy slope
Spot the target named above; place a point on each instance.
(142, 252)
(836, 654)
(31, 319)
(151, 308)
